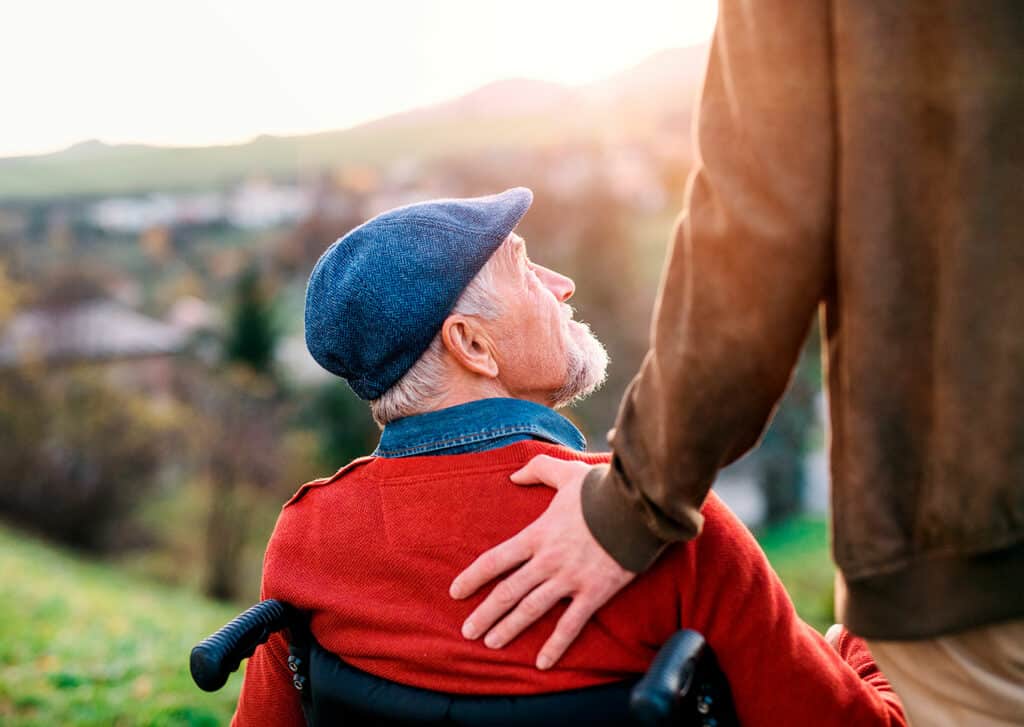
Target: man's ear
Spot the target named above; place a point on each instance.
(469, 344)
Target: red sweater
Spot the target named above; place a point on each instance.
(371, 551)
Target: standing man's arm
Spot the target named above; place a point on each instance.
(750, 261)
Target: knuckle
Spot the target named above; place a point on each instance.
(493, 562)
(573, 622)
(487, 563)
(585, 609)
(568, 630)
(543, 562)
(524, 541)
(532, 607)
(549, 464)
(548, 560)
(504, 594)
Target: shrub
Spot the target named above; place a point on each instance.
(76, 452)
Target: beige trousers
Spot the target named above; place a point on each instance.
(970, 679)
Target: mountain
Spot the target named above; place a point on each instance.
(515, 97)
(81, 151)
(676, 72)
(511, 113)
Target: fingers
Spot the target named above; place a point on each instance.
(490, 565)
(502, 599)
(832, 636)
(528, 474)
(547, 470)
(568, 628)
(557, 558)
(537, 603)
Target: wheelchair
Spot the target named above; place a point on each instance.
(683, 686)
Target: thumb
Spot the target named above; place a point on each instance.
(546, 470)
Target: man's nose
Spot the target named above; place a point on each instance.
(560, 285)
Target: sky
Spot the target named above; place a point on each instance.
(199, 72)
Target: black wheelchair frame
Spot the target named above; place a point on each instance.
(683, 686)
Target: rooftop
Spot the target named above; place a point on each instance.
(88, 331)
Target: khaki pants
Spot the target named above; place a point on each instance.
(971, 679)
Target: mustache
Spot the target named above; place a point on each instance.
(569, 316)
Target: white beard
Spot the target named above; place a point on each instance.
(586, 365)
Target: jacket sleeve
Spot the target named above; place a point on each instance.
(749, 263)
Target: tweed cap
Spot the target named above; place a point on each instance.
(378, 296)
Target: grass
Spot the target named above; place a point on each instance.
(85, 643)
(798, 550)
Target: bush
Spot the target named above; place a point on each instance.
(77, 453)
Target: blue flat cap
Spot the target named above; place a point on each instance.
(378, 296)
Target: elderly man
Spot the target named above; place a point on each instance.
(463, 346)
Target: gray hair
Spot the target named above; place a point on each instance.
(425, 384)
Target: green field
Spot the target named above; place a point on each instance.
(799, 553)
(82, 643)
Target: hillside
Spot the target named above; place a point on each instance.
(82, 644)
(506, 114)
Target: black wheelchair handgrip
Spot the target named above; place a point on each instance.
(669, 678)
(215, 657)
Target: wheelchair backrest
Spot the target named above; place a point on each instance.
(342, 694)
(683, 686)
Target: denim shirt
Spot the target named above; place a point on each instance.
(475, 427)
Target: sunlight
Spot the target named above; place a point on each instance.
(223, 71)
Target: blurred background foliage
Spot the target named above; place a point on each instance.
(157, 404)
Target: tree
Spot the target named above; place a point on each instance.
(77, 453)
(252, 332)
(343, 425)
(244, 413)
(781, 454)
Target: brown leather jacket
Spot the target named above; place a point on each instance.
(864, 158)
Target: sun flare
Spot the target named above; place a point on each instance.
(223, 71)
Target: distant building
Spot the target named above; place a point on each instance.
(203, 325)
(253, 205)
(135, 350)
(259, 204)
(192, 315)
(127, 215)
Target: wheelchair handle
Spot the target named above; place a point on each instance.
(214, 658)
(669, 678)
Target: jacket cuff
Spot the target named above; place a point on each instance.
(615, 522)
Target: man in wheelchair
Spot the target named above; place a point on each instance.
(464, 348)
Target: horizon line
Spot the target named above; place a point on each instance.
(251, 138)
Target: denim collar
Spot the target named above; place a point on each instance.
(475, 427)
